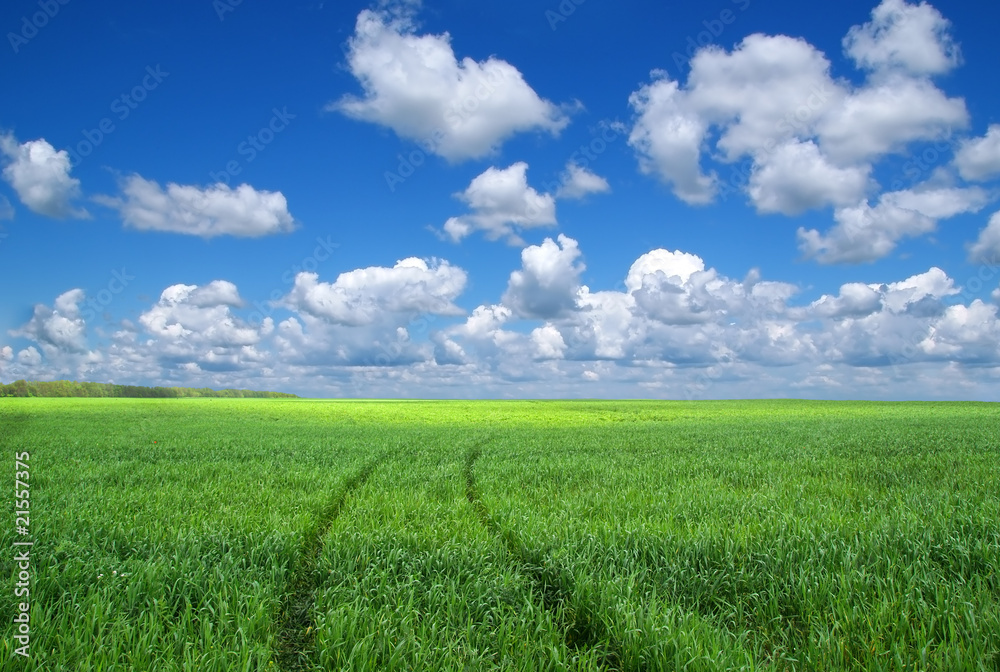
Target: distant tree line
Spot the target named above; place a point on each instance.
(71, 388)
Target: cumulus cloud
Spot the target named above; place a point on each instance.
(913, 38)
(415, 85)
(886, 115)
(577, 182)
(668, 139)
(41, 177)
(217, 210)
(548, 342)
(797, 139)
(364, 296)
(864, 233)
(502, 202)
(548, 281)
(796, 177)
(190, 316)
(59, 328)
(986, 249)
(979, 158)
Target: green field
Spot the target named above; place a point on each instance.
(215, 534)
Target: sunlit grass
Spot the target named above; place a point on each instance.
(179, 534)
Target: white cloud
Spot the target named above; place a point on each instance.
(29, 357)
(914, 38)
(802, 139)
(864, 233)
(979, 158)
(415, 85)
(796, 177)
(855, 299)
(986, 249)
(548, 343)
(668, 139)
(549, 279)
(577, 182)
(767, 88)
(6, 353)
(191, 318)
(59, 328)
(364, 296)
(217, 210)
(887, 114)
(501, 203)
(41, 177)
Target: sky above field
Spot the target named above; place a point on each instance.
(729, 199)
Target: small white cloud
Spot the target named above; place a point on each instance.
(855, 300)
(367, 295)
(6, 353)
(986, 249)
(549, 279)
(217, 210)
(577, 182)
(502, 202)
(548, 343)
(979, 158)
(914, 38)
(40, 176)
(415, 85)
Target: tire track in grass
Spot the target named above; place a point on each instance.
(297, 631)
(583, 629)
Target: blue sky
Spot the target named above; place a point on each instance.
(445, 199)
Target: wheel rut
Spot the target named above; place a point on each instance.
(582, 627)
(297, 630)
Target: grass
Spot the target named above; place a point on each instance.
(298, 535)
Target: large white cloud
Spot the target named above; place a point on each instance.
(979, 158)
(415, 85)
(41, 177)
(865, 233)
(502, 202)
(217, 210)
